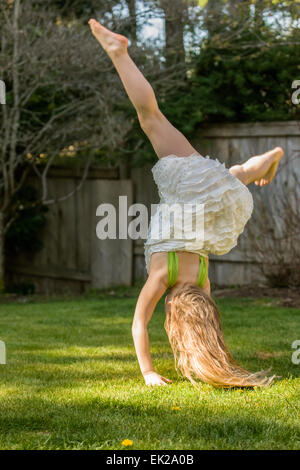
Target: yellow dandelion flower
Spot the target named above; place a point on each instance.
(176, 408)
(127, 442)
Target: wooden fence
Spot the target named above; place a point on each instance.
(231, 144)
(73, 258)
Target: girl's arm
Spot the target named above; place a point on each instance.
(206, 287)
(152, 291)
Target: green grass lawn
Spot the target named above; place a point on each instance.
(72, 379)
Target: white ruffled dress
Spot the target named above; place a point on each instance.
(198, 182)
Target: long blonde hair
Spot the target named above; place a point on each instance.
(193, 326)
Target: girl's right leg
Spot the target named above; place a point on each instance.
(164, 137)
(260, 169)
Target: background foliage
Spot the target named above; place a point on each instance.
(212, 61)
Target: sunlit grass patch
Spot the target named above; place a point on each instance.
(72, 380)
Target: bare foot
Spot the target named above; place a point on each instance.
(273, 156)
(112, 43)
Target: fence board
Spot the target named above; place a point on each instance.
(234, 143)
(73, 257)
(111, 262)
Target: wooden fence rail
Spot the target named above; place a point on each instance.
(73, 258)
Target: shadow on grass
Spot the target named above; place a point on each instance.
(104, 423)
(60, 374)
(63, 329)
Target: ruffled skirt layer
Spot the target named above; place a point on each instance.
(216, 203)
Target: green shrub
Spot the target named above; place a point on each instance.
(227, 86)
(21, 288)
(24, 233)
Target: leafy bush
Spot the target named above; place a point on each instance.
(24, 233)
(21, 288)
(227, 86)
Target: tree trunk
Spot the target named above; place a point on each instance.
(2, 263)
(212, 7)
(132, 12)
(258, 15)
(175, 16)
(239, 9)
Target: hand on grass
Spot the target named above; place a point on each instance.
(153, 378)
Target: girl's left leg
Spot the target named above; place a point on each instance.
(164, 137)
(260, 169)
